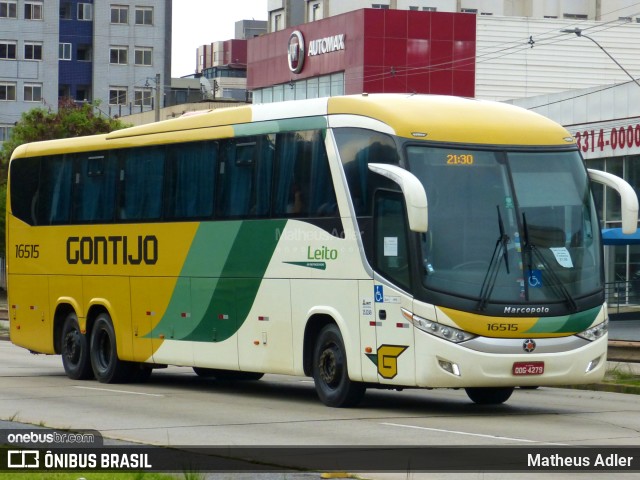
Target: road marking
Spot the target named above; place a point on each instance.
(493, 437)
(119, 391)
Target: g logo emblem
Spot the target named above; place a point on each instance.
(387, 360)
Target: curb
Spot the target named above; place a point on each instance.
(607, 387)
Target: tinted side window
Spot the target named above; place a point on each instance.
(53, 203)
(245, 177)
(25, 176)
(95, 188)
(391, 250)
(303, 185)
(358, 148)
(191, 174)
(142, 175)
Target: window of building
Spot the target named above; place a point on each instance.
(9, 9)
(7, 50)
(469, 10)
(575, 16)
(117, 95)
(120, 14)
(5, 132)
(83, 93)
(118, 55)
(64, 51)
(143, 97)
(277, 23)
(66, 11)
(144, 15)
(85, 11)
(143, 56)
(33, 51)
(33, 11)
(429, 9)
(380, 5)
(315, 11)
(7, 91)
(84, 52)
(33, 92)
(64, 90)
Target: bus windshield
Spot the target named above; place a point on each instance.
(508, 226)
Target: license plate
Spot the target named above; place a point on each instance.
(528, 368)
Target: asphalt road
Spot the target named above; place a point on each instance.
(178, 408)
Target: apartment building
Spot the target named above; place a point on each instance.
(112, 52)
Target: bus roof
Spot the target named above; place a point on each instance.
(427, 117)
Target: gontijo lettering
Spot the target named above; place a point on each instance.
(112, 250)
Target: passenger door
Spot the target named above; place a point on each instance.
(394, 333)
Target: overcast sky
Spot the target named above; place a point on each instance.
(201, 22)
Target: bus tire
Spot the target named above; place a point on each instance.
(107, 367)
(74, 350)
(489, 395)
(330, 374)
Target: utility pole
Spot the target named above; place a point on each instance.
(158, 85)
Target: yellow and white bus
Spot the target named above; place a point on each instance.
(296, 238)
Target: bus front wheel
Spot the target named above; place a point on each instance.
(74, 350)
(330, 374)
(489, 395)
(107, 367)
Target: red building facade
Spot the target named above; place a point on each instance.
(370, 50)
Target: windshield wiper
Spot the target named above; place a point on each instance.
(491, 276)
(556, 283)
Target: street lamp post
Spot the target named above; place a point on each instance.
(157, 112)
(579, 33)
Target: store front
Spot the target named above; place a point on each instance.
(369, 50)
(614, 146)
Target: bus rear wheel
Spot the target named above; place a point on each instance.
(74, 350)
(489, 395)
(107, 367)
(330, 373)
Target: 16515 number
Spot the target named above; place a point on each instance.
(26, 250)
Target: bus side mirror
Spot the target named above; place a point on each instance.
(413, 191)
(628, 198)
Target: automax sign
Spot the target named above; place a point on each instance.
(321, 46)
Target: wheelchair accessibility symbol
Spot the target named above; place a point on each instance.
(535, 278)
(378, 293)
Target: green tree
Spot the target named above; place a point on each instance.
(71, 120)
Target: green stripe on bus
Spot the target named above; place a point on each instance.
(276, 126)
(577, 322)
(220, 280)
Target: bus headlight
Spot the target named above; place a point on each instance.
(596, 332)
(445, 332)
